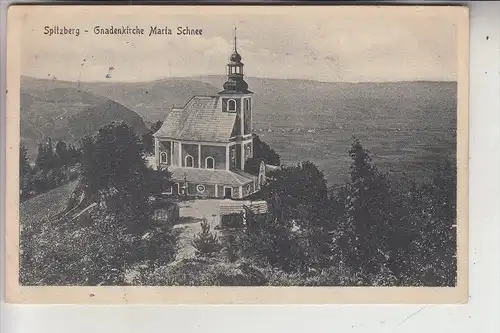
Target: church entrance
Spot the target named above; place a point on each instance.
(228, 192)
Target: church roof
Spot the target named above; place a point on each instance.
(201, 119)
(204, 176)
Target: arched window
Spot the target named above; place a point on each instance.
(189, 161)
(247, 104)
(231, 105)
(210, 163)
(163, 157)
(233, 156)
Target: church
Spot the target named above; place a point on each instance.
(206, 143)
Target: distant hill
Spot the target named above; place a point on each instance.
(55, 109)
(151, 100)
(408, 126)
(90, 120)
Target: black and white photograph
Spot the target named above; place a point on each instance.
(239, 147)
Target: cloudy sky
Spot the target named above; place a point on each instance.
(320, 43)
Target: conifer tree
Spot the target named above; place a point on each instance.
(50, 156)
(62, 153)
(206, 243)
(368, 216)
(40, 157)
(24, 166)
(45, 159)
(25, 178)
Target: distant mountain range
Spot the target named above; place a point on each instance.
(70, 110)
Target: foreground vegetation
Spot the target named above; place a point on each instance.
(373, 230)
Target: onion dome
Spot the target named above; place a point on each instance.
(235, 57)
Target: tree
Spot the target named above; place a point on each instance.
(427, 255)
(45, 159)
(25, 181)
(297, 193)
(115, 236)
(74, 155)
(261, 152)
(206, 244)
(294, 237)
(274, 243)
(24, 166)
(147, 139)
(62, 153)
(51, 158)
(113, 161)
(368, 215)
(40, 156)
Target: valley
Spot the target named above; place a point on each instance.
(407, 126)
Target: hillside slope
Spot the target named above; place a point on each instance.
(151, 100)
(90, 120)
(66, 113)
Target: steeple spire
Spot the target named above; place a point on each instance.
(235, 81)
(235, 40)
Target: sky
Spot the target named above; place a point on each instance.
(348, 44)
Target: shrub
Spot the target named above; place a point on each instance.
(204, 272)
(233, 220)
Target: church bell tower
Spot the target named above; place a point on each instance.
(236, 98)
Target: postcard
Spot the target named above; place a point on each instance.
(237, 154)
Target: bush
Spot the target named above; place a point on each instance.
(231, 247)
(233, 220)
(43, 180)
(95, 250)
(204, 272)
